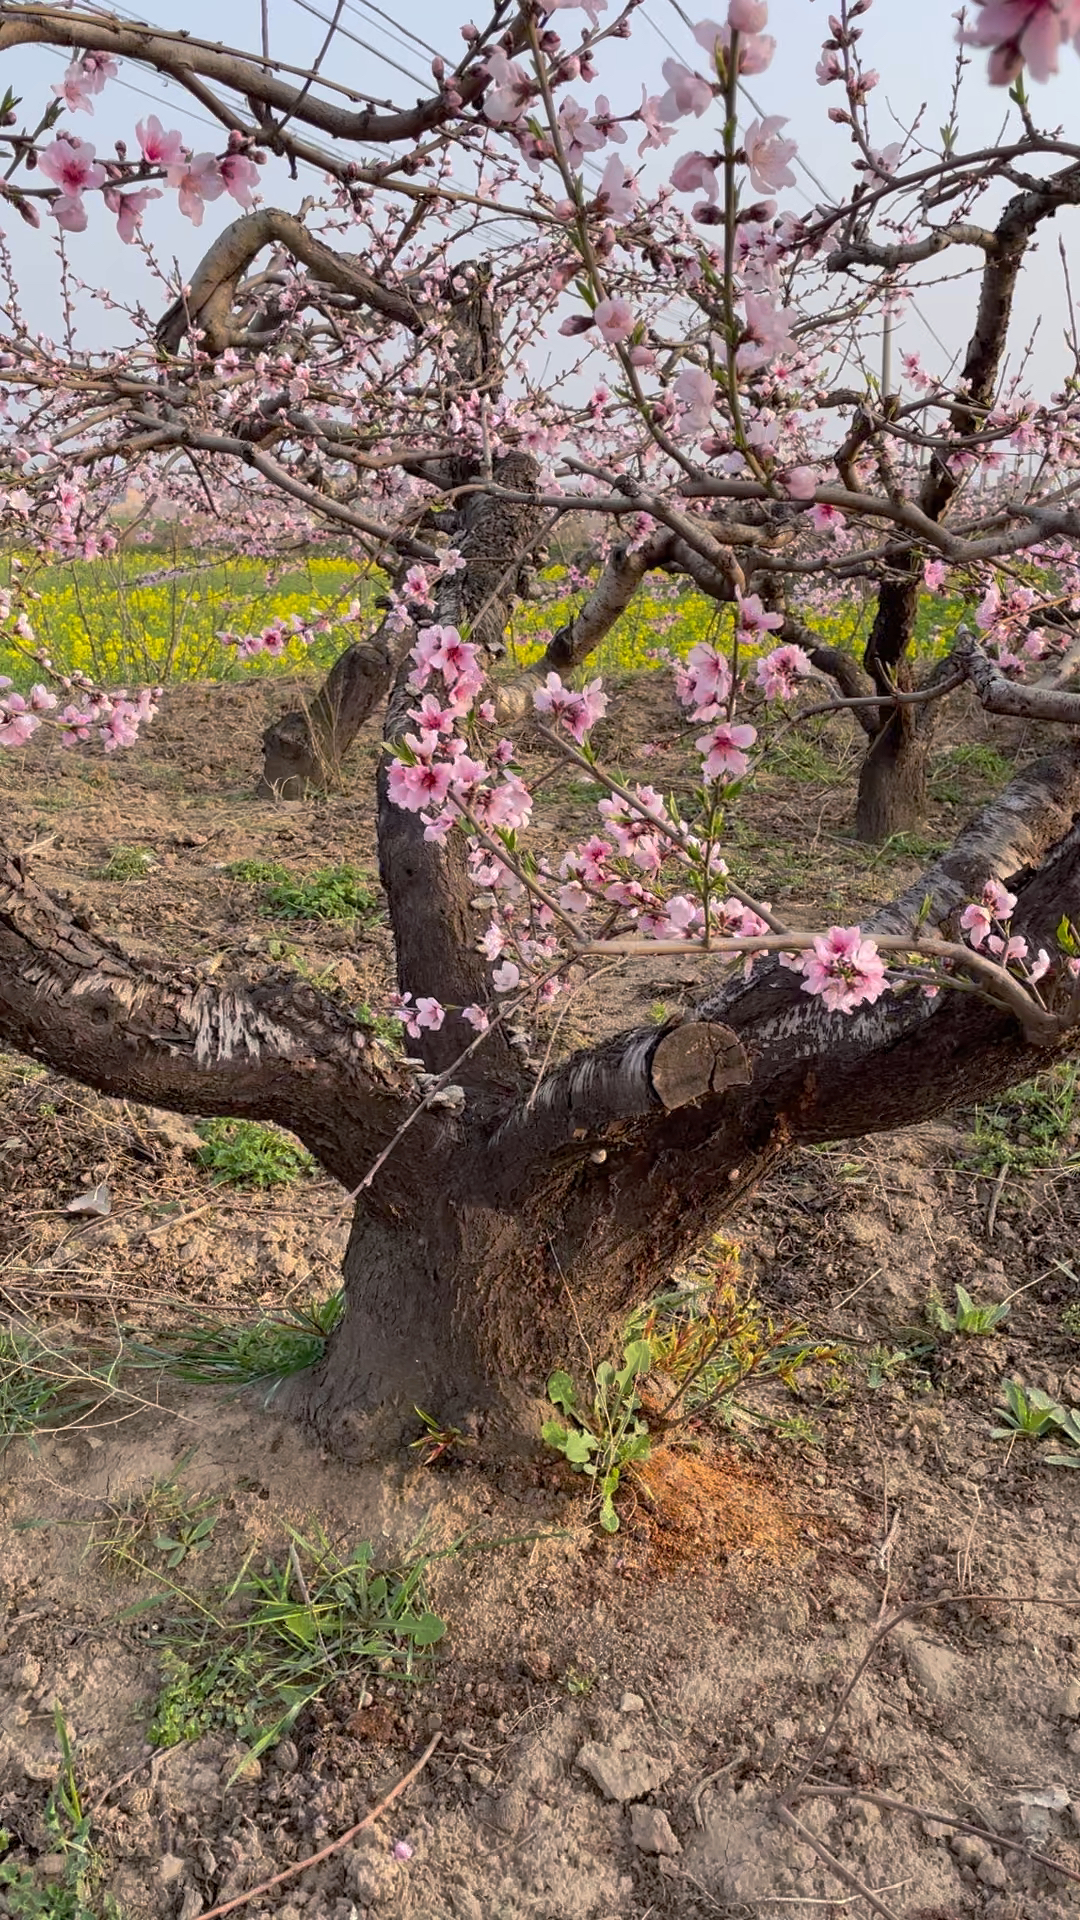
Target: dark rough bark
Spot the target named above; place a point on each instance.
(892, 779)
(271, 1049)
(427, 887)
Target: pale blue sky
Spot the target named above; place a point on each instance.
(910, 41)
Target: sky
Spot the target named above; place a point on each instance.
(911, 43)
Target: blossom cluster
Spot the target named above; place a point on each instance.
(74, 168)
(114, 717)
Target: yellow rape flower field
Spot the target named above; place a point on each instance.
(138, 618)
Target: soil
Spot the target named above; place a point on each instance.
(617, 1715)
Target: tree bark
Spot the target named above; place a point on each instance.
(195, 1042)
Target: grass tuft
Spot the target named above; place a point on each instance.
(241, 1153)
(250, 1663)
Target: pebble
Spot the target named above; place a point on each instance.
(631, 1703)
(1067, 1705)
(622, 1775)
(651, 1831)
(992, 1872)
(968, 1848)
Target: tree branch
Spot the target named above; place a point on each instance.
(867, 253)
(180, 54)
(428, 887)
(273, 1049)
(208, 301)
(1000, 695)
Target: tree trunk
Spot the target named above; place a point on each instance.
(892, 779)
(533, 1237)
(516, 1231)
(305, 748)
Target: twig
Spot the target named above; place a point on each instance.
(178, 1220)
(908, 1613)
(834, 1865)
(837, 1792)
(695, 1797)
(999, 1188)
(314, 1859)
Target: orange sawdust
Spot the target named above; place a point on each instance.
(700, 1510)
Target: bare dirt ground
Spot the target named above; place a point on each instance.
(616, 1715)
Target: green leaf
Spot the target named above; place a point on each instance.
(964, 1301)
(580, 1447)
(1062, 1459)
(561, 1392)
(554, 1434)
(428, 1629)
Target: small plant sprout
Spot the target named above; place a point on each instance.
(970, 1317)
(75, 1892)
(1031, 1414)
(437, 1440)
(601, 1441)
(166, 1521)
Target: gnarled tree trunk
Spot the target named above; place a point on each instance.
(499, 1236)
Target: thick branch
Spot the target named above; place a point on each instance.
(1000, 695)
(428, 887)
(180, 54)
(208, 301)
(814, 1075)
(867, 253)
(273, 1049)
(587, 1100)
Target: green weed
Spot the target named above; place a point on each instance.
(381, 1025)
(35, 1390)
(1031, 1414)
(713, 1342)
(242, 1153)
(1070, 1320)
(334, 893)
(340, 894)
(127, 863)
(250, 1664)
(602, 1439)
(166, 1521)
(257, 872)
(885, 1364)
(263, 1355)
(438, 1439)
(969, 1318)
(1030, 1129)
(73, 1895)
